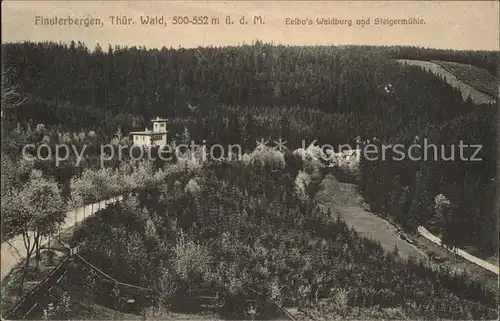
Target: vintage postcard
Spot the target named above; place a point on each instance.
(250, 160)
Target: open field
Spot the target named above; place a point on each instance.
(478, 78)
(466, 89)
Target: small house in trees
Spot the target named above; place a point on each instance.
(157, 136)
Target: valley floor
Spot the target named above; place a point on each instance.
(343, 199)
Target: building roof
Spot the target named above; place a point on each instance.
(158, 119)
(148, 132)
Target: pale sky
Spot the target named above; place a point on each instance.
(448, 24)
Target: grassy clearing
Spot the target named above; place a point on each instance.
(343, 199)
(466, 89)
(478, 78)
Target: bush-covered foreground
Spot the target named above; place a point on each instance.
(247, 234)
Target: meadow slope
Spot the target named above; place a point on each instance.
(478, 78)
(477, 96)
(344, 199)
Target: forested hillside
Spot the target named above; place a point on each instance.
(406, 190)
(240, 94)
(246, 214)
(247, 234)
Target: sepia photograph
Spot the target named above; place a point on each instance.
(250, 160)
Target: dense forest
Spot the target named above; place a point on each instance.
(356, 95)
(405, 190)
(73, 87)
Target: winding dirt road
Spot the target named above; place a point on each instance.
(466, 89)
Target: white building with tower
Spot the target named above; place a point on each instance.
(157, 136)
